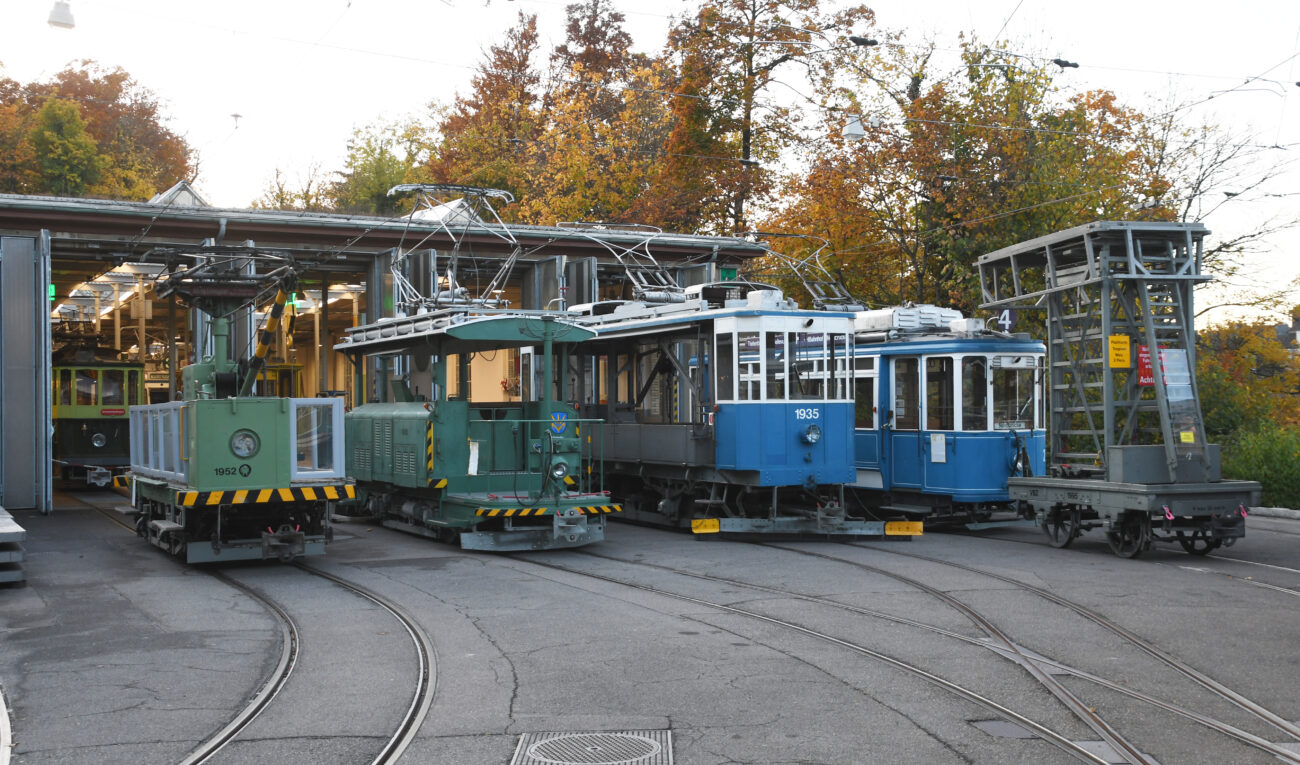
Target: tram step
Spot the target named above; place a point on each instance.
(164, 526)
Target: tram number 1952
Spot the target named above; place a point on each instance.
(807, 414)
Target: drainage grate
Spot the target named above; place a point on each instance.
(641, 747)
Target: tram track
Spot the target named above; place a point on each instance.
(1177, 665)
(412, 718)
(1057, 739)
(1033, 663)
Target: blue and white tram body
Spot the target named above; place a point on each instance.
(946, 412)
(730, 412)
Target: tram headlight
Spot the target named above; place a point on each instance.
(559, 470)
(244, 443)
(812, 434)
(98, 440)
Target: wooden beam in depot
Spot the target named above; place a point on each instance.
(262, 496)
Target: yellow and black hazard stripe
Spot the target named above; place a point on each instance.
(512, 512)
(261, 496)
(121, 482)
(428, 451)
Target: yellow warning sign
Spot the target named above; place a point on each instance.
(1187, 436)
(1118, 352)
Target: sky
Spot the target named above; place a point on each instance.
(303, 75)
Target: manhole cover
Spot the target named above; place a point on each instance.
(607, 748)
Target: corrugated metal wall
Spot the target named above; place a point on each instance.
(25, 373)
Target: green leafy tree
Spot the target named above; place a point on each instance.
(67, 159)
(379, 158)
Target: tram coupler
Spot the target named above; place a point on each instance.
(830, 518)
(1228, 527)
(570, 524)
(285, 544)
(98, 476)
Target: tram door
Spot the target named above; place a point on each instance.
(903, 451)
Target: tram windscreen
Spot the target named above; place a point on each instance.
(87, 387)
(113, 393)
(1013, 399)
(776, 359)
(808, 370)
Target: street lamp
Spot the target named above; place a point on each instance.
(61, 15)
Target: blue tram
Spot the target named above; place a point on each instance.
(731, 411)
(945, 412)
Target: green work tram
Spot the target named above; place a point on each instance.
(448, 448)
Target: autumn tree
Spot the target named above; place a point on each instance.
(1247, 377)
(732, 52)
(605, 121)
(957, 165)
(123, 121)
(482, 137)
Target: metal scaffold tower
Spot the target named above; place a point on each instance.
(1127, 442)
(1121, 343)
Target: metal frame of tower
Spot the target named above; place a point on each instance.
(1127, 441)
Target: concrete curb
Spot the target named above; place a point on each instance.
(1275, 512)
(6, 733)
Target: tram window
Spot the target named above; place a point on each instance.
(1013, 399)
(840, 371)
(623, 393)
(1042, 393)
(65, 387)
(132, 388)
(808, 370)
(974, 393)
(907, 384)
(111, 393)
(751, 378)
(726, 368)
(864, 402)
(776, 360)
(87, 387)
(939, 392)
(864, 363)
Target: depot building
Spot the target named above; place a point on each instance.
(83, 332)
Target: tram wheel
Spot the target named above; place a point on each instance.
(1131, 536)
(1198, 542)
(1062, 527)
(176, 544)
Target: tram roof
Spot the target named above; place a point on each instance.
(652, 319)
(466, 330)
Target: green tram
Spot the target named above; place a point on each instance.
(474, 463)
(223, 475)
(89, 408)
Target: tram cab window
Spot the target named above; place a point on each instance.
(808, 370)
(133, 388)
(776, 362)
(751, 362)
(65, 387)
(87, 387)
(1013, 399)
(864, 392)
(939, 404)
(974, 393)
(842, 359)
(907, 384)
(112, 393)
(726, 363)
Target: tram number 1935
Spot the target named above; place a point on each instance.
(807, 414)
